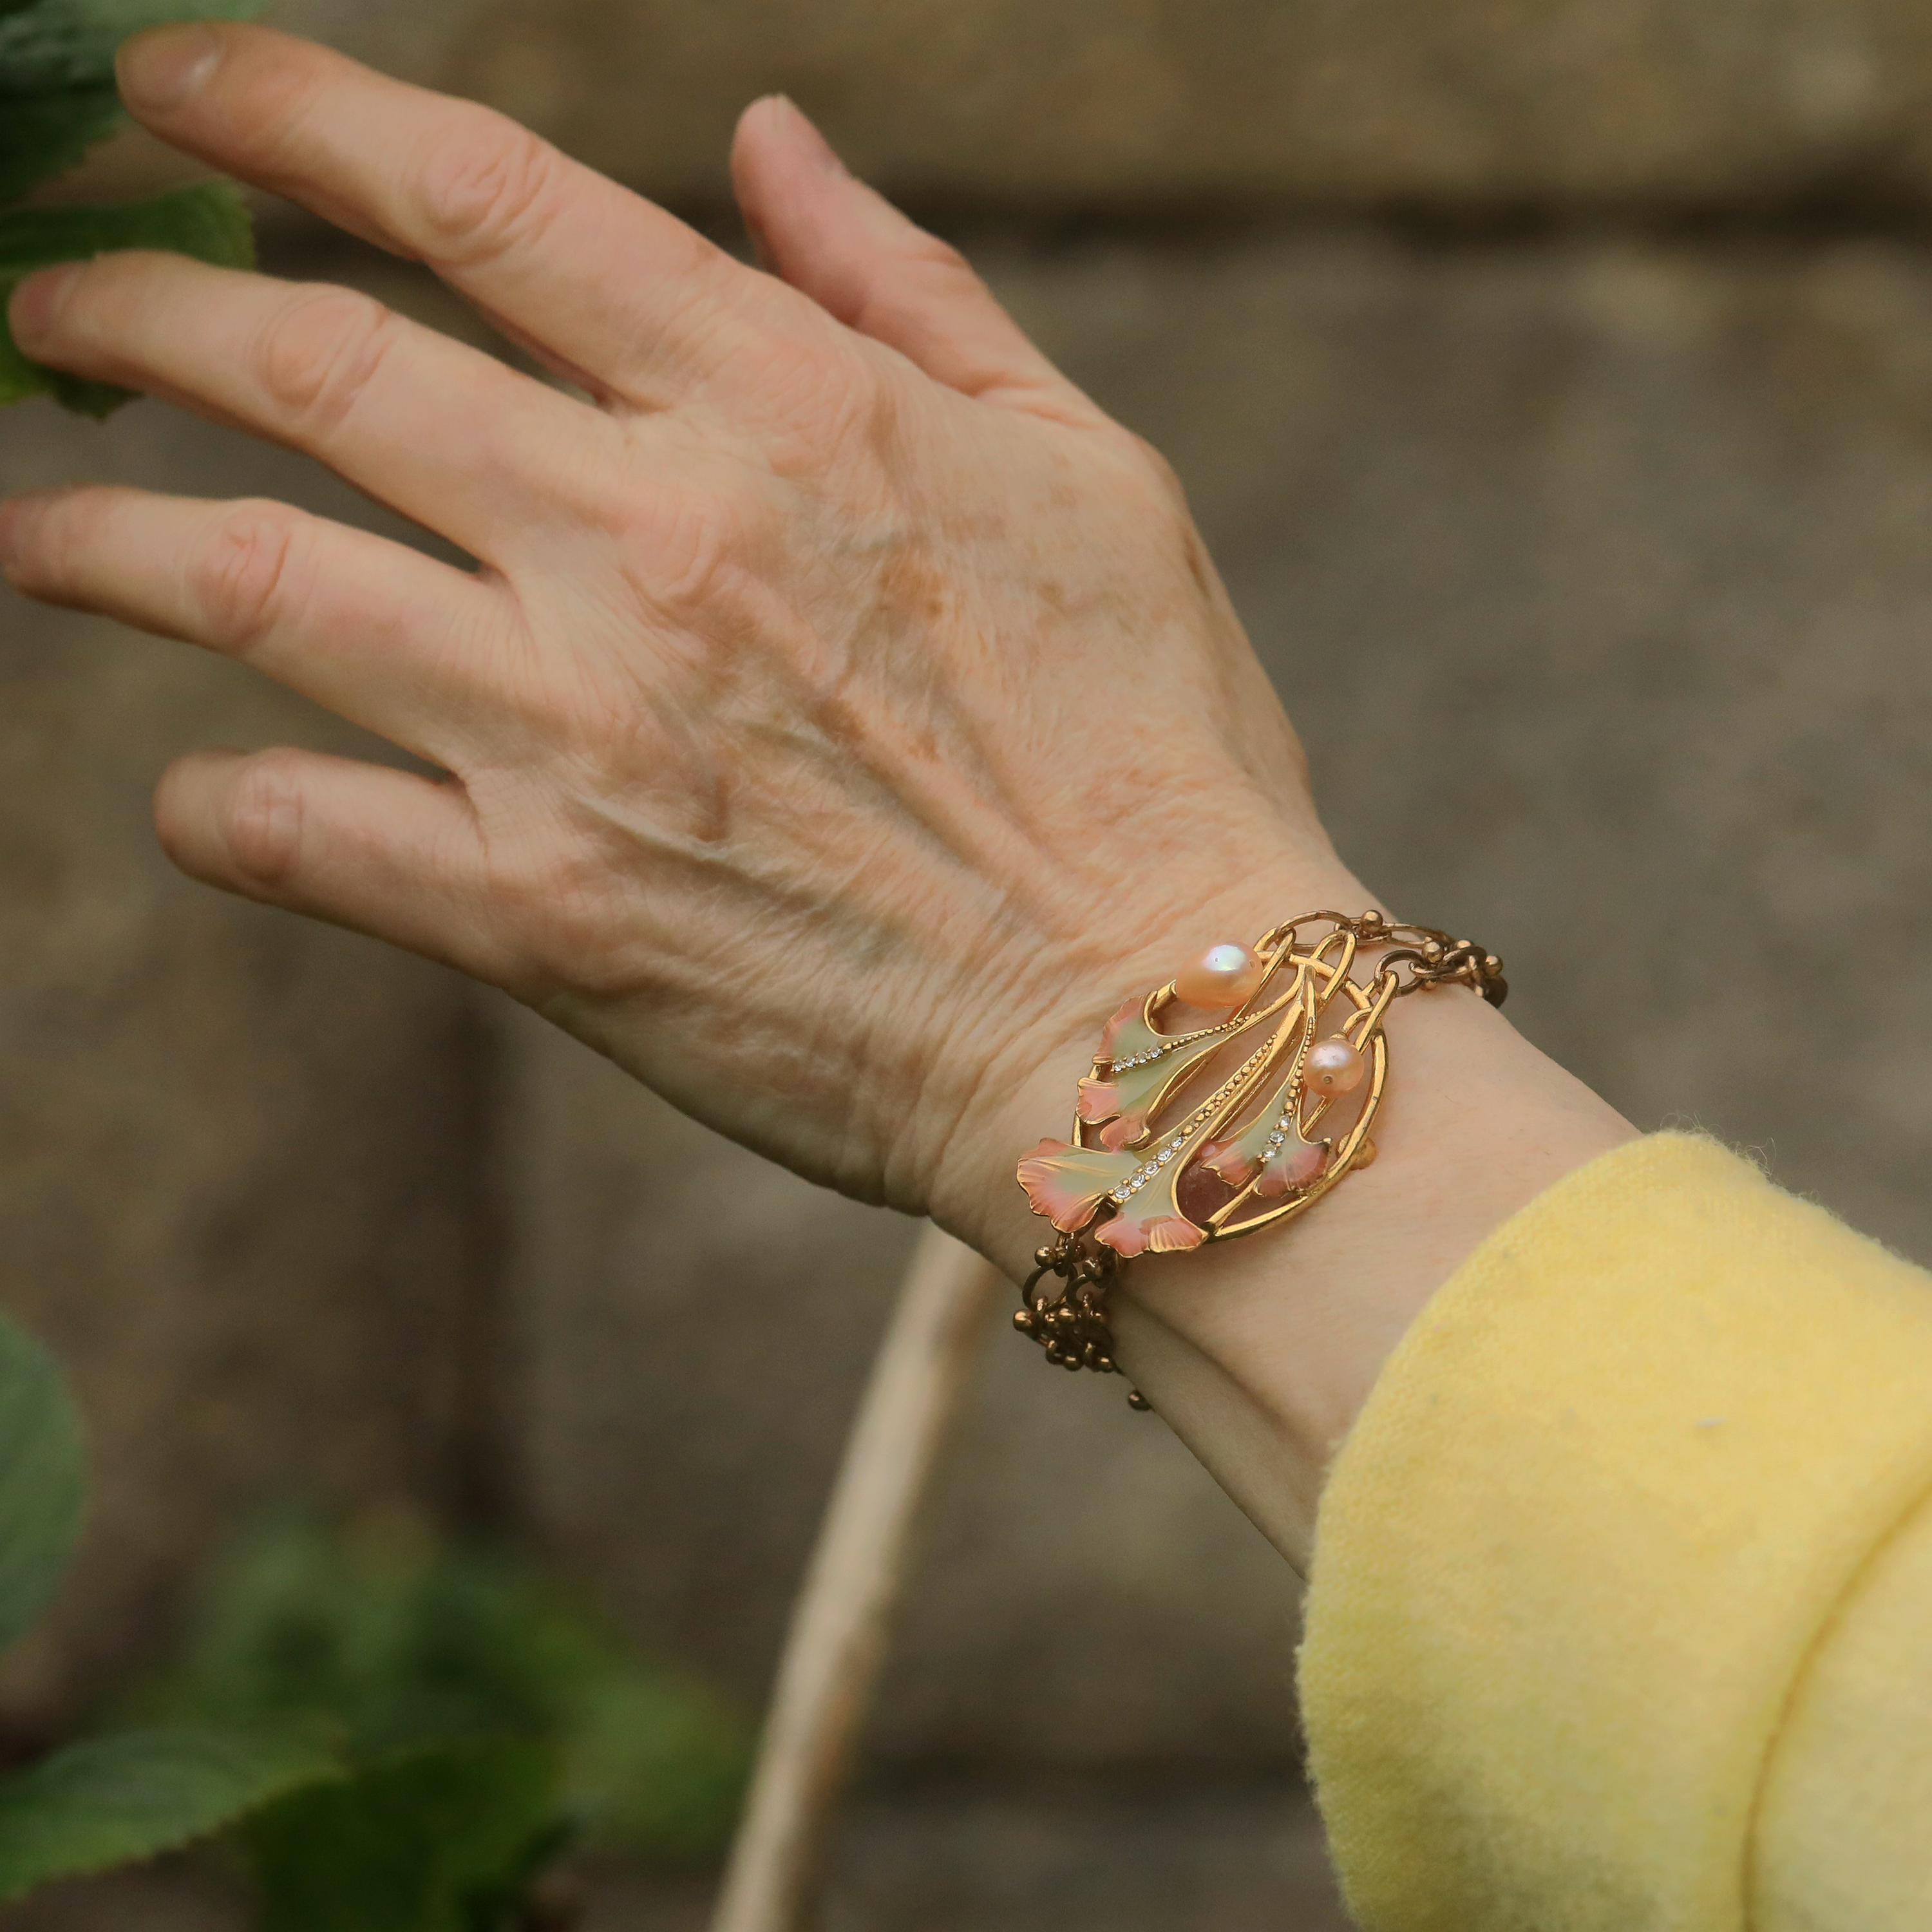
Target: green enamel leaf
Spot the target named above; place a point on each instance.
(1252, 1140)
(1280, 1093)
(114, 1800)
(56, 44)
(209, 222)
(44, 136)
(43, 1479)
(1145, 1089)
(438, 1840)
(1141, 1089)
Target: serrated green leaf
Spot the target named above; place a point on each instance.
(209, 222)
(42, 1478)
(62, 43)
(44, 135)
(113, 1801)
(440, 1841)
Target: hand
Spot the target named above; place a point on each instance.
(842, 714)
(842, 704)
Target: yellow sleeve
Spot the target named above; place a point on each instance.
(1621, 1617)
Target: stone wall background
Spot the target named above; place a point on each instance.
(1554, 384)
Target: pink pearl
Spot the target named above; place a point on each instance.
(1224, 976)
(1334, 1068)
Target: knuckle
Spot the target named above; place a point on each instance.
(1143, 462)
(320, 353)
(52, 553)
(480, 191)
(261, 821)
(242, 573)
(699, 543)
(940, 261)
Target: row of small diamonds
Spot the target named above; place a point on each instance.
(1136, 1181)
(1167, 1046)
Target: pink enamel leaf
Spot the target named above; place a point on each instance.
(1127, 1096)
(1127, 1032)
(1066, 1183)
(1299, 1164)
(1128, 1235)
(1149, 1221)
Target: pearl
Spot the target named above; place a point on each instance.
(1224, 976)
(1334, 1068)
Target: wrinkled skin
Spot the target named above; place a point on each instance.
(844, 710)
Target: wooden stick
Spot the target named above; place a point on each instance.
(836, 1642)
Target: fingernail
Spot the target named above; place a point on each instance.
(37, 303)
(164, 66)
(809, 138)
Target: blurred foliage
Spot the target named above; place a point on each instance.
(399, 1737)
(401, 1642)
(43, 1480)
(438, 1840)
(57, 100)
(114, 1801)
(110, 1800)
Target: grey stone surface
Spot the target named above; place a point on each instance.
(1118, 104)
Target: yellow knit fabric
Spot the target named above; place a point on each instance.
(1621, 1586)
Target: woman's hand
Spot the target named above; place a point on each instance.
(842, 714)
(843, 708)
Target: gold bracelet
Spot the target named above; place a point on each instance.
(1206, 1133)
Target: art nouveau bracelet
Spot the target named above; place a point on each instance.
(1197, 1121)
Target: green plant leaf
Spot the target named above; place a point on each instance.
(441, 1841)
(55, 44)
(114, 1800)
(45, 134)
(42, 1478)
(209, 222)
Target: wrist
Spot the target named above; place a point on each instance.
(1260, 1352)
(1028, 1083)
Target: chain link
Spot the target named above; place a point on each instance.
(1420, 956)
(1069, 1322)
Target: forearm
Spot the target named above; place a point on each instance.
(1259, 1353)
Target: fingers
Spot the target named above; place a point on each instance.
(443, 433)
(609, 285)
(384, 852)
(399, 644)
(855, 255)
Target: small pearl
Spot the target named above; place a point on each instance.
(1224, 976)
(1334, 1068)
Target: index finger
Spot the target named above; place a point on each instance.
(622, 294)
